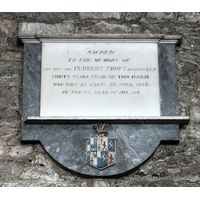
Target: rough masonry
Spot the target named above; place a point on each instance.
(30, 165)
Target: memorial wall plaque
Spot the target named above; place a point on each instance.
(100, 104)
(100, 79)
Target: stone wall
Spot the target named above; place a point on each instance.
(30, 165)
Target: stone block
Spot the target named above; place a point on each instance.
(15, 15)
(160, 15)
(104, 27)
(136, 29)
(167, 26)
(9, 170)
(7, 27)
(15, 80)
(187, 43)
(11, 56)
(5, 129)
(132, 16)
(3, 42)
(183, 55)
(9, 96)
(12, 139)
(84, 184)
(30, 174)
(6, 170)
(40, 160)
(2, 146)
(49, 16)
(185, 79)
(189, 66)
(191, 16)
(8, 69)
(100, 183)
(18, 151)
(188, 95)
(195, 79)
(99, 15)
(184, 31)
(63, 28)
(153, 27)
(144, 170)
(24, 162)
(38, 173)
(190, 131)
(8, 114)
(195, 114)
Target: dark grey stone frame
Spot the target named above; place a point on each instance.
(65, 142)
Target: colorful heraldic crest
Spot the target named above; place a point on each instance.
(100, 152)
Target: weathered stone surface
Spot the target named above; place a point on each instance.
(49, 16)
(191, 16)
(189, 56)
(185, 32)
(99, 15)
(195, 114)
(187, 43)
(152, 27)
(9, 97)
(12, 139)
(7, 27)
(39, 16)
(185, 79)
(168, 27)
(189, 66)
(2, 148)
(195, 77)
(13, 81)
(3, 41)
(18, 151)
(190, 132)
(100, 183)
(188, 95)
(160, 15)
(132, 16)
(9, 69)
(8, 114)
(170, 165)
(38, 173)
(44, 29)
(6, 172)
(6, 129)
(104, 27)
(15, 15)
(136, 29)
(11, 55)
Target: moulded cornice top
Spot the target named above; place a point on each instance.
(158, 38)
(113, 119)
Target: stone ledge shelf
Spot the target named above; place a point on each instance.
(158, 38)
(181, 120)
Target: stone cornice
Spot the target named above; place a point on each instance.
(156, 38)
(132, 120)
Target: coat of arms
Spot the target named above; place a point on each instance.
(100, 149)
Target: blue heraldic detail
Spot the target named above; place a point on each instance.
(100, 152)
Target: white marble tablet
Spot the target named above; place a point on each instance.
(99, 79)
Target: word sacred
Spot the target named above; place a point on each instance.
(100, 52)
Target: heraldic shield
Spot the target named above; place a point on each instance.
(100, 152)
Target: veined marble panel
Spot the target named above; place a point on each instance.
(101, 79)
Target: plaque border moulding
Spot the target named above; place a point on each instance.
(109, 38)
(64, 137)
